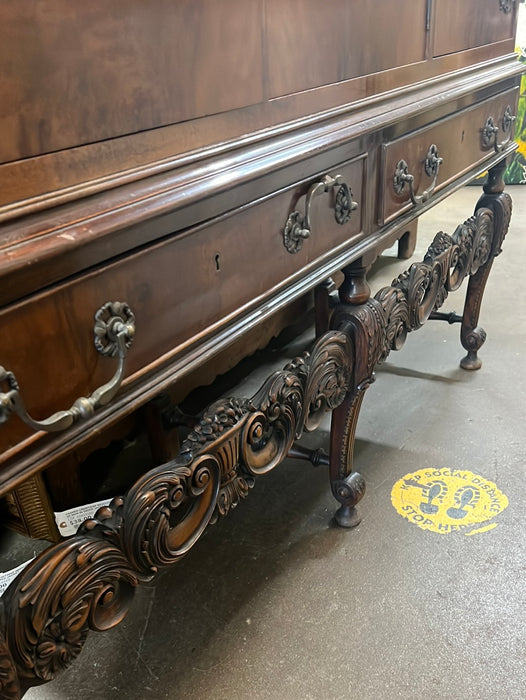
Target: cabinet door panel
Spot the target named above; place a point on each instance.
(312, 43)
(73, 73)
(466, 24)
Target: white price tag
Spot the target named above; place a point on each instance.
(7, 576)
(68, 521)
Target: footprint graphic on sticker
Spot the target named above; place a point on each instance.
(464, 498)
(436, 490)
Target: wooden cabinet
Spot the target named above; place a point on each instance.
(174, 173)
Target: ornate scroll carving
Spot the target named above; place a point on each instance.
(382, 324)
(407, 303)
(87, 582)
(80, 583)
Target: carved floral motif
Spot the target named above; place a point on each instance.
(88, 581)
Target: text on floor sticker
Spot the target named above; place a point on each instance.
(448, 500)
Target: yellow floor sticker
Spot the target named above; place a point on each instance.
(448, 500)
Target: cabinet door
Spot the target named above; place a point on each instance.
(73, 73)
(466, 24)
(311, 43)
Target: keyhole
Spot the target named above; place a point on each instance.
(218, 262)
(462, 137)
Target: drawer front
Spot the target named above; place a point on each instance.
(181, 291)
(470, 23)
(461, 141)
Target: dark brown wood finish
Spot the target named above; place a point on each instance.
(88, 581)
(185, 171)
(459, 141)
(464, 25)
(97, 63)
(219, 260)
(323, 50)
(46, 180)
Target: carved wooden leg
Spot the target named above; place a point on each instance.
(348, 487)
(87, 581)
(377, 326)
(472, 336)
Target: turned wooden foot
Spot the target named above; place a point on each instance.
(351, 317)
(472, 361)
(348, 491)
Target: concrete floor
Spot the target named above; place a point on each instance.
(274, 604)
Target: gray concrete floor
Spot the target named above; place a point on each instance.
(274, 604)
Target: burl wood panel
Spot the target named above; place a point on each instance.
(312, 43)
(469, 23)
(459, 142)
(180, 290)
(72, 73)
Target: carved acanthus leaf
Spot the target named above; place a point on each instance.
(87, 581)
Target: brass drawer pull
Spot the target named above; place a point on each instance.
(490, 131)
(403, 177)
(506, 6)
(298, 226)
(113, 330)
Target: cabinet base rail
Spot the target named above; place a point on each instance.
(88, 581)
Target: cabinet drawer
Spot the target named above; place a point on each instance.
(461, 142)
(182, 291)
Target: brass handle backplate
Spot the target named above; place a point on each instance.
(403, 177)
(298, 225)
(506, 6)
(490, 131)
(113, 333)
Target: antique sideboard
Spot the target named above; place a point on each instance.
(173, 176)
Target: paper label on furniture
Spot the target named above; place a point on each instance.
(7, 576)
(448, 500)
(68, 521)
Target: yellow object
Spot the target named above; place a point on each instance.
(448, 500)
